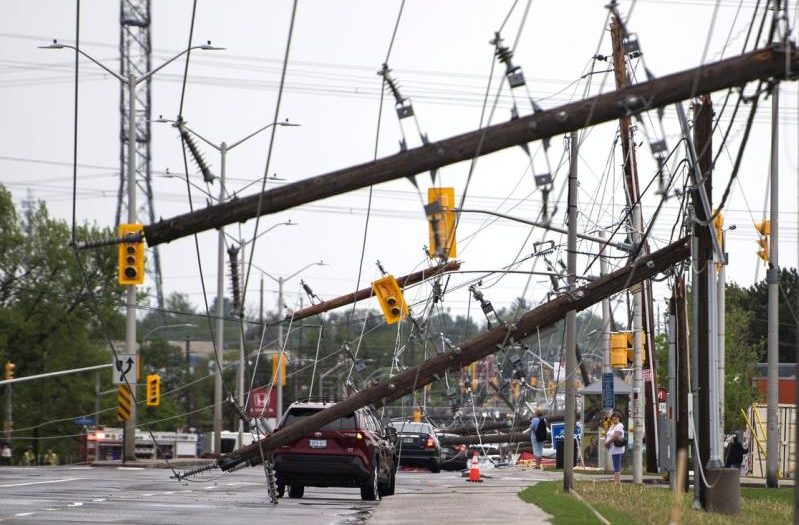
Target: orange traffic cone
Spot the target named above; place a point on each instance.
(474, 472)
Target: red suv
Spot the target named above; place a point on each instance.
(352, 451)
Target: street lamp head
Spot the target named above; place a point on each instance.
(54, 45)
(209, 47)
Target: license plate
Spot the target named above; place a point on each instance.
(318, 443)
(407, 440)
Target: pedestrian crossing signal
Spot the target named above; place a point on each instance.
(153, 390)
(130, 254)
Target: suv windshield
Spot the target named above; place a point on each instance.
(409, 427)
(343, 423)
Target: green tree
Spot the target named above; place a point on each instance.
(740, 356)
(58, 310)
(757, 304)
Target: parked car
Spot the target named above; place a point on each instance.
(352, 451)
(417, 444)
(453, 456)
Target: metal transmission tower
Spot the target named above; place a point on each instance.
(135, 57)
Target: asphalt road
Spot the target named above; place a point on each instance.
(132, 496)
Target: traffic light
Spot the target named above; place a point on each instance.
(283, 362)
(390, 297)
(131, 254)
(622, 348)
(764, 229)
(441, 221)
(153, 390)
(10, 369)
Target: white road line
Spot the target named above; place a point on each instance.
(76, 504)
(23, 514)
(38, 482)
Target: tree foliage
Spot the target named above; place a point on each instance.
(58, 310)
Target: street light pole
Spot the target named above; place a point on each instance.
(129, 446)
(219, 338)
(279, 379)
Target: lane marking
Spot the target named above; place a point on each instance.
(23, 514)
(76, 504)
(38, 482)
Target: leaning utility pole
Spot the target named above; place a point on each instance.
(763, 63)
(365, 293)
(467, 352)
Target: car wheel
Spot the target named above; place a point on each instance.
(435, 466)
(387, 488)
(392, 484)
(370, 491)
(296, 491)
(281, 490)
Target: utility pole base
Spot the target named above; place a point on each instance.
(724, 494)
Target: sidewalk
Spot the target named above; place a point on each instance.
(495, 500)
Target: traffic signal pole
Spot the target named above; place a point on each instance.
(129, 439)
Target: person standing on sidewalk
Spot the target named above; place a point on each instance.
(5, 455)
(538, 434)
(615, 442)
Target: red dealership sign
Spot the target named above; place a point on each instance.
(260, 405)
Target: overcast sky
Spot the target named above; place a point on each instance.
(443, 60)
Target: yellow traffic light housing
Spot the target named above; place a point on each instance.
(153, 393)
(441, 221)
(622, 348)
(9, 368)
(390, 297)
(283, 360)
(764, 229)
(131, 254)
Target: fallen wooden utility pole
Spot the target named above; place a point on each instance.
(736, 71)
(365, 293)
(512, 437)
(468, 351)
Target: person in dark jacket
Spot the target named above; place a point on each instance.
(735, 453)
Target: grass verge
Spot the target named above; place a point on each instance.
(636, 504)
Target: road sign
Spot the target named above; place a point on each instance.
(124, 369)
(608, 400)
(84, 421)
(123, 403)
(647, 374)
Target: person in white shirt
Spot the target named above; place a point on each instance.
(615, 443)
